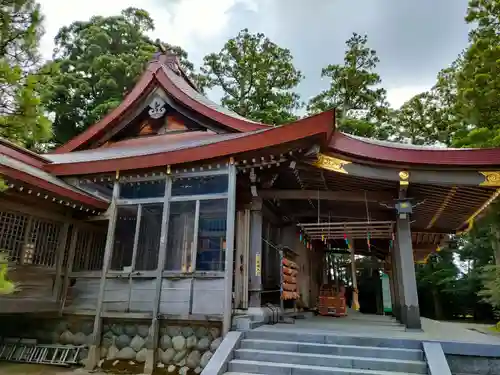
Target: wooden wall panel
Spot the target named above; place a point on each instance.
(35, 282)
(208, 296)
(84, 295)
(174, 298)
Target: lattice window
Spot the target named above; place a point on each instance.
(45, 239)
(89, 251)
(12, 231)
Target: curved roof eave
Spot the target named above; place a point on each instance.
(398, 153)
(308, 128)
(189, 97)
(37, 177)
(157, 73)
(22, 154)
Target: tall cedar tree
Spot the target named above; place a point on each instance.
(96, 63)
(354, 87)
(479, 78)
(431, 117)
(257, 78)
(22, 118)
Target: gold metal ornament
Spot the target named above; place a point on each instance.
(490, 178)
(331, 164)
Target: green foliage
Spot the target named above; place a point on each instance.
(478, 81)
(491, 282)
(95, 64)
(432, 117)
(438, 278)
(257, 78)
(354, 86)
(6, 286)
(22, 118)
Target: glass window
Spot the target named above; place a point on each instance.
(149, 237)
(212, 235)
(142, 189)
(100, 188)
(180, 236)
(200, 185)
(124, 238)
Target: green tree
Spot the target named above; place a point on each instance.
(355, 91)
(96, 63)
(431, 117)
(413, 121)
(257, 78)
(22, 118)
(438, 276)
(478, 96)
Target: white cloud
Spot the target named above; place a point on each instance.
(188, 23)
(195, 25)
(397, 96)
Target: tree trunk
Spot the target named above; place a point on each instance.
(495, 243)
(438, 308)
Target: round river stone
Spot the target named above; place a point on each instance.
(179, 343)
(122, 341)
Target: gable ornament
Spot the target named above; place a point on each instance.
(157, 108)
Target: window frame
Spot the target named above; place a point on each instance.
(166, 200)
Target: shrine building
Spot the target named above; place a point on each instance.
(173, 208)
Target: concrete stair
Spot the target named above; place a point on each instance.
(285, 353)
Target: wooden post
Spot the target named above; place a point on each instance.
(228, 277)
(94, 350)
(410, 310)
(149, 365)
(242, 258)
(69, 267)
(88, 251)
(355, 300)
(134, 254)
(61, 249)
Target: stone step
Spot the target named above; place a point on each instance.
(334, 349)
(338, 338)
(272, 368)
(362, 363)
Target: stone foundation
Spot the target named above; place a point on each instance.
(183, 348)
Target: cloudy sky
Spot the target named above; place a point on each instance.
(414, 39)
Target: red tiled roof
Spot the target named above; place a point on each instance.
(157, 151)
(398, 153)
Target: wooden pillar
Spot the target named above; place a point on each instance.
(242, 257)
(94, 350)
(395, 285)
(399, 278)
(355, 295)
(255, 262)
(61, 249)
(69, 267)
(229, 268)
(154, 330)
(410, 311)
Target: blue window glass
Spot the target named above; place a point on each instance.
(200, 185)
(212, 225)
(142, 189)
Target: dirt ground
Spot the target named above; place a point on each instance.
(30, 369)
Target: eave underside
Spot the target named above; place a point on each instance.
(302, 193)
